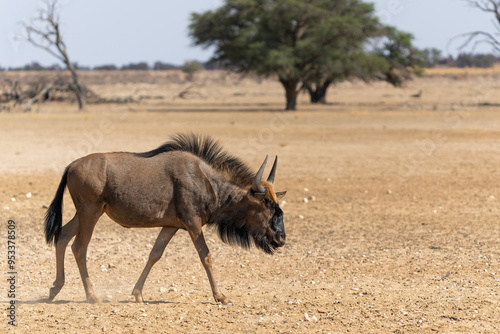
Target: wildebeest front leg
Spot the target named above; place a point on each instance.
(161, 242)
(206, 259)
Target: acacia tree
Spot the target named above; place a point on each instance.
(483, 37)
(44, 33)
(401, 58)
(286, 38)
(391, 58)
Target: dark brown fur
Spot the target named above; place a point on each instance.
(184, 184)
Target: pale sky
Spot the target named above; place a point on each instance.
(121, 32)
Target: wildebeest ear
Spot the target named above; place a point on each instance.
(280, 194)
(259, 196)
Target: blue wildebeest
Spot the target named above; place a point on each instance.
(186, 183)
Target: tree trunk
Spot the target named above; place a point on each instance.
(290, 86)
(80, 91)
(318, 94)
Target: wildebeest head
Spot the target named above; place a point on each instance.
(268, 220)
(257, 217)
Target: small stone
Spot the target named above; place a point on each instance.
(13, 199)
(389, 191)
(28, 195)
(305, 200)
(306, 190)
(301, 217)
(309, 318)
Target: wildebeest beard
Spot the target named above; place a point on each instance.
(242, 235)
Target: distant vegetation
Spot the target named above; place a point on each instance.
(188, 67)
(434, 58)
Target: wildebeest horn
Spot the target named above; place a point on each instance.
(270, 178)
(256, 186)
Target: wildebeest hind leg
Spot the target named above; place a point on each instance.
(206, 259)
(161, 242)
(67, 233)
(87, 220)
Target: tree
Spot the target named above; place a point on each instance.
(286, 38)
(482, 37)
(432, 57)
(44, 33)
(391, 58)
(190, 68)
(344, 66)
(402, 59)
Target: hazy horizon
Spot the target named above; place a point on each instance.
(99, 33)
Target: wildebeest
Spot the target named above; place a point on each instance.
(188, 182)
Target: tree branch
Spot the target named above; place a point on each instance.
(489, 39)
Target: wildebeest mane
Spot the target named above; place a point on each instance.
(231, 234)
(210, 151)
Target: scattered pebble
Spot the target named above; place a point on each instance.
(306, 190)
(309, 318)
(301, 217)
(28, 195)
(305, 200)
(13, 199)
(389, 191)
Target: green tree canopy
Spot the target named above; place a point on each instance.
(190, 68)
(401, 57)
(295, 40)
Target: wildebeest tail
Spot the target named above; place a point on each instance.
(53, 217)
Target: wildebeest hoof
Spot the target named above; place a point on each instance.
(138, 296)
(93, 300)
(53, 293)
(224, 300)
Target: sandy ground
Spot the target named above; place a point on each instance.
(391, 215)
